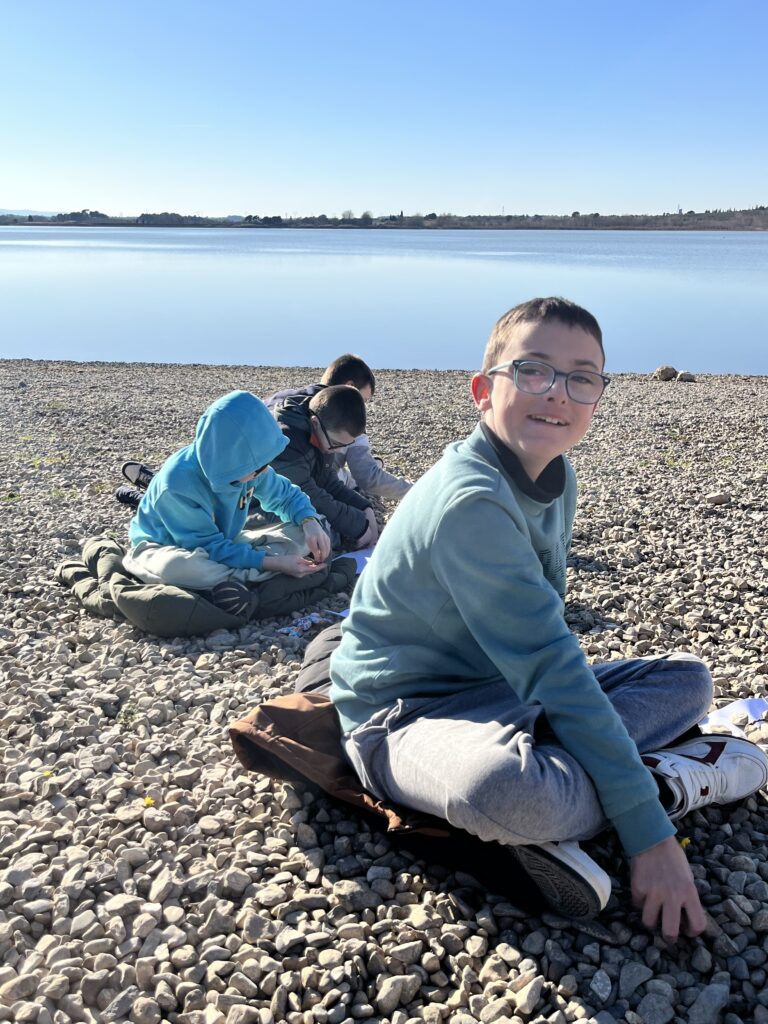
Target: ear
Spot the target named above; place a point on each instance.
(481, 391)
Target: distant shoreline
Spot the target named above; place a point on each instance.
(755, 219)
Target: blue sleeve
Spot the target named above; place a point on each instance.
(192, 526)
(516, 616)
(277, 494)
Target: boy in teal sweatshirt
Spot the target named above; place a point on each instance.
(460, 689)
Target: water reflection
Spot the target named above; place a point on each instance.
(401, 298)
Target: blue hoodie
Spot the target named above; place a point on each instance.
(194, 501)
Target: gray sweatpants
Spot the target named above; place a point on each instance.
(492, 766)
(194, 570)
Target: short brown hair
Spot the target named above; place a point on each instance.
(349, 369)
(538, 311)
(340, 407)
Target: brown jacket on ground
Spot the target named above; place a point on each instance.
(297, 738)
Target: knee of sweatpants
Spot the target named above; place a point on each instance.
(517, 803)
(526, 819)
(697, 679)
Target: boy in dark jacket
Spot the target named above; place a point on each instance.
(356, 465)
(317, 426)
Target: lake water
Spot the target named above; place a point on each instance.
(697, 300)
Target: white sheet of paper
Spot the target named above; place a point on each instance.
(361, 557)
(754, 707)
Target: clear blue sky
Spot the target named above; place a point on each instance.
(298, 107)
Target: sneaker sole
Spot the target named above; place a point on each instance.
(565, 888)
(135, 476)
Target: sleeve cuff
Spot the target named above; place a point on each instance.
(258, 558)
(365, 527)
(643, 826)
(305, 516)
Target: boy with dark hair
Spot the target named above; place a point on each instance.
(316, 426)
(460, 689)
(356, 465)
(351, 369)
(342, 408)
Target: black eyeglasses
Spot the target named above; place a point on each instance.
(535, 378)
(332, 445)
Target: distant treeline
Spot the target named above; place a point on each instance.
(755, 219)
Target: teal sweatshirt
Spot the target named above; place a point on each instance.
(195, 501)
(466, 586)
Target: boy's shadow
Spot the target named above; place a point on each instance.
(498, 874)
(490, 864)
(584, 618)
(495, 868)
(585, 563)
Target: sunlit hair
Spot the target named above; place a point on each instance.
(533, 312)
(340, 407)
(349, 369)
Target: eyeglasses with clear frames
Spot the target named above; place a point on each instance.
(536, 378)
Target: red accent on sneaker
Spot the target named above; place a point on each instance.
(716, 747)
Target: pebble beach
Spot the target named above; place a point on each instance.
(145, 876)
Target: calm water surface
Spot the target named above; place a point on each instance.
(698, 300)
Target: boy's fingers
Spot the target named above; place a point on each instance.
(670, 921)
(695, 919)
(318, 541)
(321, 550)
(651, 908)
(309, 567)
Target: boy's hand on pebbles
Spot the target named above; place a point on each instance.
(318, 541)
(662, 885)
(371, 535)
(291, 565)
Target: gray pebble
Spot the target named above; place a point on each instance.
(633, 974)
(655, 1009)
(709, 1003)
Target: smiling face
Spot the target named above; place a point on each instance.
(539, 427)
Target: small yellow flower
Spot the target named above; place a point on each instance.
(149, 801)
(48, 773)
(685, 841)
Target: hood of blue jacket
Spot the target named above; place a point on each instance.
(235, 436)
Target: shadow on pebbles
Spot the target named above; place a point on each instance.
(145, 877)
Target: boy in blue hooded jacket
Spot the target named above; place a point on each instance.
(188, 528)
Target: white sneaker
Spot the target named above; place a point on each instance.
(568, 879)
(714, 769)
